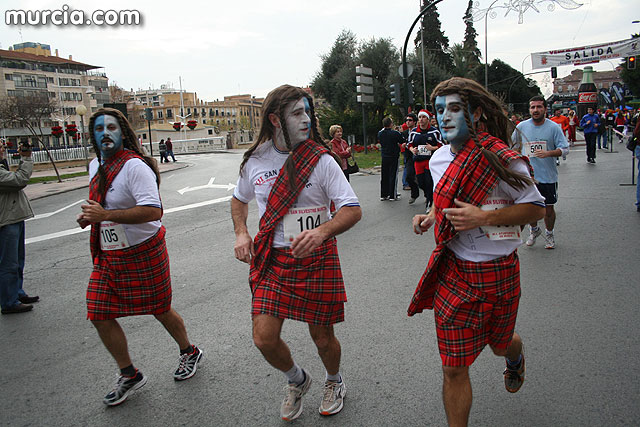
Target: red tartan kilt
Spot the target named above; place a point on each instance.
(130, 282)
(310, 289)
(476, 303)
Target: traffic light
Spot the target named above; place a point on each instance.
(631, 63)
(410, 99)
(395, 94)
(554, 72)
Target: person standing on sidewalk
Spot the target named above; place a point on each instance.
(390, 141)
(484, 192)
(162, 148)
(14, 210)
(169, 151)
(543, 142)
(294, 265)
(590, 123)
(340, 148)
(131, 274)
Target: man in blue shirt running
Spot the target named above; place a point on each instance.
(543, 141)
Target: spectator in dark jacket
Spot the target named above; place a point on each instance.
(390, 141)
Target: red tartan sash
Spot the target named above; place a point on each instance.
(281, 198)
(112, 167)
(470, 179)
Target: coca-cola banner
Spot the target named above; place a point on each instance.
(587, 97)
(586, 54)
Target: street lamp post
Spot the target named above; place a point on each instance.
(82, 110)
(486, 57)
(519, 7)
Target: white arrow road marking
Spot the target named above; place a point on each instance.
(209, 185)
(166, 211)
(47, 215)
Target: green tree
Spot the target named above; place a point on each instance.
(435, 42)
(434, 74)
(470, 46)
(631, 77)
(511, 85)
(464, 62)
(336, 83)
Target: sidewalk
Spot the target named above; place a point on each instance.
(44, 189)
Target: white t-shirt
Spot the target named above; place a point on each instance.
(135, 185)
(326, 183)
(474, 245)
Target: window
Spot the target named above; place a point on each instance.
(210, 131)
(160, 122)
(159, 114)
(144, 136)
(8, 77)
(169, 113)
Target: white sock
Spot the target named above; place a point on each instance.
(536, 228)
(549, 232)
(295, 374)
(335, 378)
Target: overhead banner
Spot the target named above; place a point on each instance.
(586, 54)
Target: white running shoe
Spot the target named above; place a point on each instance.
(550, 242)
(291, 407)
(533, 235)
(333, 397)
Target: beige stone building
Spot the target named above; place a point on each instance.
(28, 69)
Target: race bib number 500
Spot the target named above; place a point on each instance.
(530, 148)
(112, 236)
(301, 219)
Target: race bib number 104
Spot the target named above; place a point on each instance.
(112, 236)
(301, 219)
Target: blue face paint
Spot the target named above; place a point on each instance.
(108, 135)
(307, 110)
(453, 126)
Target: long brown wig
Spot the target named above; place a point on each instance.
(275, 103)
(129, 141)
(493, 120)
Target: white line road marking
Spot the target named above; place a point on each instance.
(47, 215)
(80, 230)
(209, 185)
(170, 176)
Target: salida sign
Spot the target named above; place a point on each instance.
(586, 54)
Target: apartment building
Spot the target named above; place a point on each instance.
(29, 69)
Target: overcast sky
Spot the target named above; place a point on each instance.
(226, 47)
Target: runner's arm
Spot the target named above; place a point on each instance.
(243, 248)
(307, 241)
(94, 212)
(467, 216)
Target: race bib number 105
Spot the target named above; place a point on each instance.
(112, 236)
(301, 219)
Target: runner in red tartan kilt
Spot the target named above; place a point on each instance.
(483, 193)
(294, 266)
(131, 281)
(131, 274)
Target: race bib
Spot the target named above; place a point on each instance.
(529, 148)
(112, 236)
(422, 150)
(301, 219)
(499, 232)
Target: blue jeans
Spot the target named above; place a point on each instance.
(637, 153)
(405, 183)
(603, 137)
(11, 264)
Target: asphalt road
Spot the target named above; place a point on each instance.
(578, 317)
